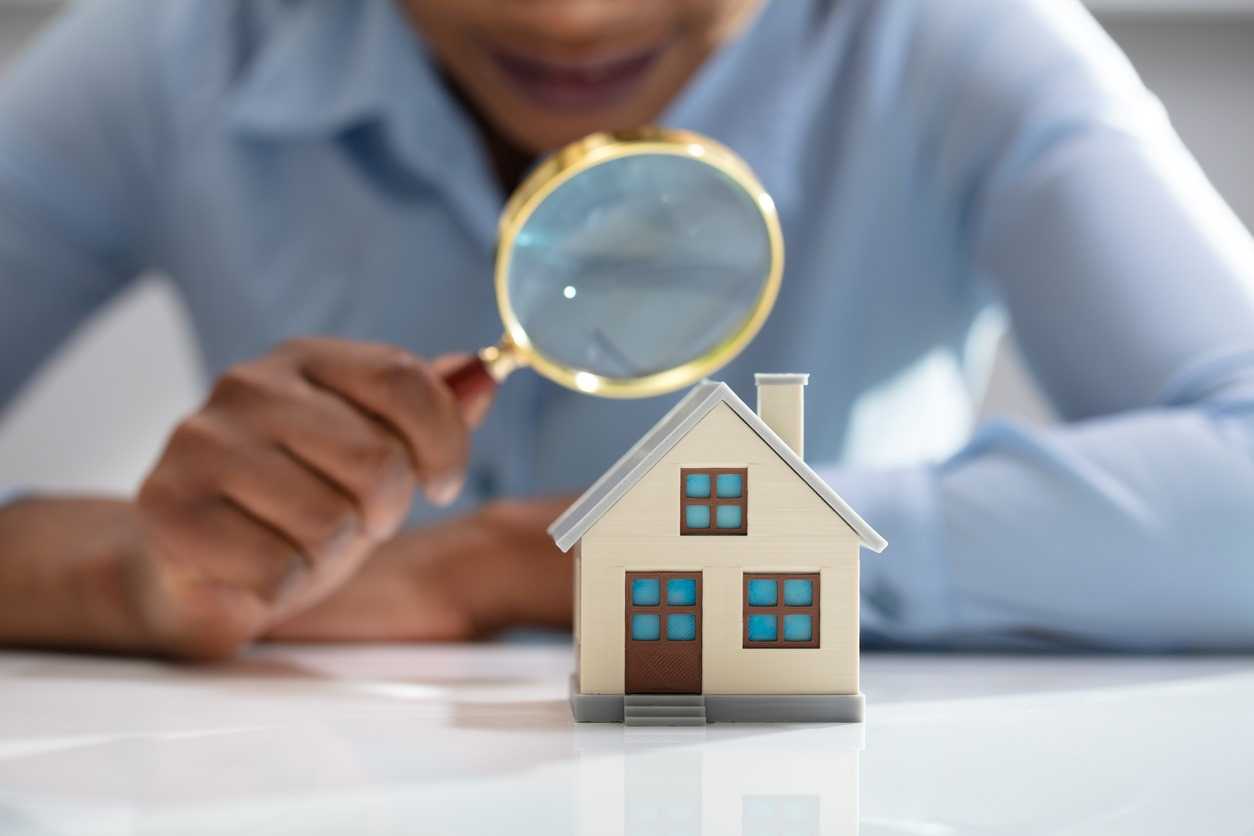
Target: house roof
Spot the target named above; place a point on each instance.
(567, 529)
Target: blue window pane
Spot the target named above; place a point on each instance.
(797, 628)
(697, 516)
(645, 592)
(681, 592)
(762, 628)
(761, 593)
(645, 627)
(697, 485)
(729, 485)
(681, 628)
(728, 516)
(798, 593)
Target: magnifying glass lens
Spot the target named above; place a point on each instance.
(639, 265)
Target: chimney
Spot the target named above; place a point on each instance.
(782, 406)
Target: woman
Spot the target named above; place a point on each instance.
(325, 177)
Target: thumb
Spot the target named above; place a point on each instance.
(471, 383)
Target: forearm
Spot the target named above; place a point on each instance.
(1128, 285)
(462, 579)
(1132, 532)
(63, 574)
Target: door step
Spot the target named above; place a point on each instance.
(664, 710)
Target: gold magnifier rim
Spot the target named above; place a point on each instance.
(516, 348)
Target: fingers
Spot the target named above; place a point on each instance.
(279, 492)
(355, 452)
(215, 541)
(402, 392)
(214, 576)
(296, 468)
(279, 496)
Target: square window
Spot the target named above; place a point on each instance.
(697, 485)
(713, 500)
(645, 627)
(762, 593)
(798, 593)
(681, 592)
(645, 592)
(681, 627)
(781, 610)
(727, 516)
(797, 628)
(762, 628)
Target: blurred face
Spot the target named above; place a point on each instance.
(543, 73)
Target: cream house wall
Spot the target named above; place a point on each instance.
(790, 529)
(577, 555)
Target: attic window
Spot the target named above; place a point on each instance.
(714, 500)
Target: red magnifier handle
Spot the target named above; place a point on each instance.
(471, 382)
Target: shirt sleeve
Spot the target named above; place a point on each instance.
(79, 146)
(1130, 286)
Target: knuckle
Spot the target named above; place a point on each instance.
(156, 497)
(382, 461)
(195, 431)
(295, 347)
(398, 373)
(239, 385)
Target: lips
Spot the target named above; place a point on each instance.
(585, 84)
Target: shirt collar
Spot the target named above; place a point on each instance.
(327, 67)
(316, 72)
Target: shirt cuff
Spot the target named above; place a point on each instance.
(906, 590)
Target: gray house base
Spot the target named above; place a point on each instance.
(666, 709)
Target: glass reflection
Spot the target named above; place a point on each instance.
(639, 265)
(720, 780)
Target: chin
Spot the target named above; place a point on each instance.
(539, 126)
(539, 130)
(543, 139)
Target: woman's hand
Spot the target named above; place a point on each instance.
(68, 566)
(463, 579)
(295, 470)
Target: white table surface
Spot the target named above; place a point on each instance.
(478, 739)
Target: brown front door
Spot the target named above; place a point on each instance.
(663, 632)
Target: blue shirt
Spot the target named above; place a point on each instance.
(940, 167)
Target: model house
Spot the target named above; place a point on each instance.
(716, 574)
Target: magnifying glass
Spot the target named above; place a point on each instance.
(630, 265)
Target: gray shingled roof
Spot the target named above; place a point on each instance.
(649, 450)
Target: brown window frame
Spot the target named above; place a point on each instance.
(779, 610)
(663, 607)
(712, 501)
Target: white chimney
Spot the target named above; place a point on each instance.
(782, 406)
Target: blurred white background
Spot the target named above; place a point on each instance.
(96, 417)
